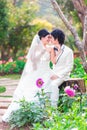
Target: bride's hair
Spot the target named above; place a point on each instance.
(36, 40)
(43, 33)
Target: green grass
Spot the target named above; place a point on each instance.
(6, 96)
(12, 76)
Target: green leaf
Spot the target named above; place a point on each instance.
(51, 64)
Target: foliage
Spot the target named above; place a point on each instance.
(67, 6)
(29, 113)
(12, 67)
(85, 2)
(51, 64)
(4, 24)
(77, 23)
(71, 42)
(78, 70)
(72, 14)
(3, 21)
(71, 119)
(72, 94)
(45, 117)
(42, 24)
(2, 89)
(21, 26)
(20, 32)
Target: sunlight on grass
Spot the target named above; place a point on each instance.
(12, 76)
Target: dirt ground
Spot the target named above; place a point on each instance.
(4, 127)
(7, 127)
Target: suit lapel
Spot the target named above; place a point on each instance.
(62, 50)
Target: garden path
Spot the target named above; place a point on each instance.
(6, 97)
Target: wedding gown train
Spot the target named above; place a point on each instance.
(27, 87)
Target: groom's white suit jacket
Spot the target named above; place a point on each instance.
(64, 63)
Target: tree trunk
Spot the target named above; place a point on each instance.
(80, 45)
(3, 56)
(14, 2)
(4, 53)
(79, 5)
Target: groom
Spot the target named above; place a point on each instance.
(62, 59)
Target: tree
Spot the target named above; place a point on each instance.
(4, 24)
(21, 31)
(79, 43)
(81, 8)
(16, 30)
(77, 7)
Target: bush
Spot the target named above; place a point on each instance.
(29, 113)
(44, 117)
(78, 70)
(12, 67)
(2, 89)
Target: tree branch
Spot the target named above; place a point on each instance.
(85, 28)
(78, 4)
(78, 43)
(80, 7)
(68, 25)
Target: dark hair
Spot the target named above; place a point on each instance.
(58, 34)
(43, 33)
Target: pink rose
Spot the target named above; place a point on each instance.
(69, 91)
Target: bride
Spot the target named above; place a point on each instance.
(37, 66)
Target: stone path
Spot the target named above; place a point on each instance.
(6, 97)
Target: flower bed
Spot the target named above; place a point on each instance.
(10, 66)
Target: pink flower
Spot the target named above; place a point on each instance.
(20, 58)
(10, 59)
(69, 91)
(75, 86)
(3, 61)
(0, 62)
(39, 83)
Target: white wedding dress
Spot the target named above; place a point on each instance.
(27, 87)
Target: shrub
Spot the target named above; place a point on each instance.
(12, 67)
(29, 113)
(44, 117)
(2, 89)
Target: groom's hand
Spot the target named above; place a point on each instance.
(53, 77)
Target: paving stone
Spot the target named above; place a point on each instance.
(5, 101)
(0, 118)
(10, 85)
(2, 111)
(4, 105)
(8, 93)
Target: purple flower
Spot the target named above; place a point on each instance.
(69, 91)
(39, 82)
(75, 86)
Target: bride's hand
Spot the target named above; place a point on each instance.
(49, 49)
(53, 77)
